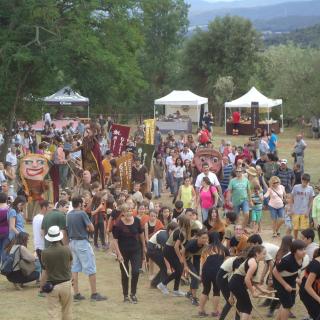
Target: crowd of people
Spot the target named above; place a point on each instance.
(211, 235)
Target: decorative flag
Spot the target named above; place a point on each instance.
(145, 152)
(119, 138)
(124, 165)
(149, 131)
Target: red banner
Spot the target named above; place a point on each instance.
(120, 135)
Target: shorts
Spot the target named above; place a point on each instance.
(276, 213)
(244, 206)
(300, 222)
(287, 299)
(256, 215)
(83, 259)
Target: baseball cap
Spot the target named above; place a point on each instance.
(285, 161)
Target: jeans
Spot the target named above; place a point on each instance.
(83, 257)
(63, 173)
(99, 230)
(177, 183)
(157, 187)
(170, 254)
(3, 244)
(204, 213)
(170, 182)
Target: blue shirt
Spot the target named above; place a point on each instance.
(272, 142)
(12, 213)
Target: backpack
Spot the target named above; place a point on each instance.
(8, 265)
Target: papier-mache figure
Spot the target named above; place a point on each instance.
(33, 170)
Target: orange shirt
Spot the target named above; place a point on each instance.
(107, 167)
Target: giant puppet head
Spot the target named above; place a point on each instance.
(211, 156)
(34, 167)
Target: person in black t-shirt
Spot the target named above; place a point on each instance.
(191, 254)
(310, 287)
(285, 274)
(155, 247)
(212, 258)
(129, 244)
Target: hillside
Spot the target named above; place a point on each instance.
(261, 13)
(308, 37)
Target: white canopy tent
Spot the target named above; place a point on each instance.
(253, 95)
(186, 102)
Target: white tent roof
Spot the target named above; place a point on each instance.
(181, 98)
(253, 95)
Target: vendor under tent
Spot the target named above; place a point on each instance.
(257, 103)
(67, 97)
(179, 105)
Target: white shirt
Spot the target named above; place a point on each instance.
(232, 157)
(178, 171)
(169, 163)
(12, 158)
(271, 249)
(2, 176)
(212, 177)
(38, 240)
(1, 139)
(310, 249)
(187, 156)
(47, 117)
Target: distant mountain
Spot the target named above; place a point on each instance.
(200, 6)
(284, 9)
(286, 24)
(307, 37)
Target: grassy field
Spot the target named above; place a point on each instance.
(26, 304)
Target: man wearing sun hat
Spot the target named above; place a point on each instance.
(57, 259)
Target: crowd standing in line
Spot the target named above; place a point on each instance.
(211, 236)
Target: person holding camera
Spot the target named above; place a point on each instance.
(57, 260)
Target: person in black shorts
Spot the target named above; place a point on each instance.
(242, 281)
(155, 247)
(285, 274)
(211, 259)
(191, 254)
(129, 245)
(224, 273)
(172, 253)
(310, 287)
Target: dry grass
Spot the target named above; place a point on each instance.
(152, 305)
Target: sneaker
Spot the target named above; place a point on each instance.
(189, 295)
(291, 315)
(98, 297)
(178, 293)
(163, 288)
(126, 299)
(270, 314)
(202, 314)
(78, 297)
(134, 299)
(195, 301)
(41, 294)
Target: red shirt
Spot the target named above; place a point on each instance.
(236, 117)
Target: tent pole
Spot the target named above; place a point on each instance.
(198, 115)
(282, 125)
(268, 120)
(225, 120)
(154, 112)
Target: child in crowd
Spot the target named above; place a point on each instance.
(257, 199)
(288, 214)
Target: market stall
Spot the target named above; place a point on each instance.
(67, 97)
(180, 110)
(255, 113)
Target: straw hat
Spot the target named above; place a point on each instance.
(252, 171)
(54, 234)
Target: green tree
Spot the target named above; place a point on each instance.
(223, 91)
(164, 24)
(229, 48)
